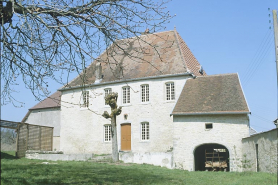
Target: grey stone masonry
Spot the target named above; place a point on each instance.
(260, 152)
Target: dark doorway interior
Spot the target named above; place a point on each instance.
(211, 152)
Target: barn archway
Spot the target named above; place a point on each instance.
(211, 157)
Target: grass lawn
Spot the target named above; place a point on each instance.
(26, 171)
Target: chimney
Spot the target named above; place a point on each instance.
(98, 72)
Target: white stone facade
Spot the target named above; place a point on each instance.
(163, 159)
(190, 132)
(47, 117)
(82, 129)
(260, 152)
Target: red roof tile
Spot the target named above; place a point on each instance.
(150, 55)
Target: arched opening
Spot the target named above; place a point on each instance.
(211, 157)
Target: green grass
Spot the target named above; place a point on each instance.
(26, 171)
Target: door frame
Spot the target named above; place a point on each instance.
(121, 135)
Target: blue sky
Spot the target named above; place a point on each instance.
(226, 36)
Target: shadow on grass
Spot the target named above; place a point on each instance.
(8, 155)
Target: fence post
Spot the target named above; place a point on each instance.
(27, 138)
(52, 139)
(17, 137)
(40, 139)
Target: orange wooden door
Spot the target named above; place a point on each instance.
(126, 137)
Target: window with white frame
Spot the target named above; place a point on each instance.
(85, 99)
(145, 131)
(126, 95)
(107, 133)
(170, 91)
(106, 92)
(145, 97)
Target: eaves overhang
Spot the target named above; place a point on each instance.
(126, 80)
(54, 107)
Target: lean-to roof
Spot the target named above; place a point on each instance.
(211, 95)
(52, 101)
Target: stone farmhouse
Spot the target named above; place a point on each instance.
(173, 113)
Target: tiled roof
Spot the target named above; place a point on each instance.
(211, 94)
(50, 102)
(190, 60)
(150, 55)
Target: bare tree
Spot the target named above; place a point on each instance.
(45, 40)
(111, 100)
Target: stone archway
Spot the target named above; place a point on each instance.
(210, 152)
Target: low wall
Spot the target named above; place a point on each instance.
(260, 152)
(155, 158)
(57, 156)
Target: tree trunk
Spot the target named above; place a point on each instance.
(115, 151)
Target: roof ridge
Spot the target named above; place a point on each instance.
(225, 74)
(96, 59)
(154, 54)
(182, 55)
(191, 62)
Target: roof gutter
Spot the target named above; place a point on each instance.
(208, 113)
(127, 80)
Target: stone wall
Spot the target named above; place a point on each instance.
(163, 159)
(82, 129)
(47, 117)
(190, 132)
(264, 158)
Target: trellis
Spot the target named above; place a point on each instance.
(30, 137)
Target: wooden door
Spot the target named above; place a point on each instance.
(126, 137)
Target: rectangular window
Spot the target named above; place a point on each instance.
(170, 91)
(85, 97)
(145, 131)
(107, 133)
(106, 92)
(126, 95)
(145, 93)
(209, 126)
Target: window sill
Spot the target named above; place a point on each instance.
(170, 101)
(208, 129)
(126, 105)
(84, 108)
(144, 141)
(144, 103)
